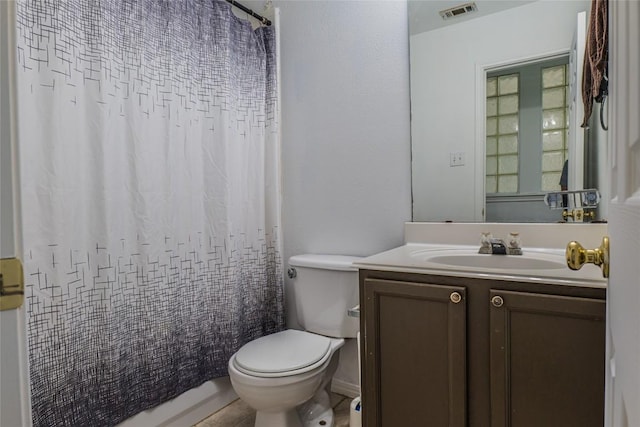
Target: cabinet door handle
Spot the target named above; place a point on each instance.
(497, 301)
(455, 297)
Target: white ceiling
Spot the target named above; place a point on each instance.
(424, 14)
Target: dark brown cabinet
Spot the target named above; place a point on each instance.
(442, 351)
(417, 326)
(547, 360)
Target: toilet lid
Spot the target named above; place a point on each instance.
(282, 352)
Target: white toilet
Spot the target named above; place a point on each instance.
(286, 376)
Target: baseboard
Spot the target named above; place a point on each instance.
(345, 388)
(187, 409)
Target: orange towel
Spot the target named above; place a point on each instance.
(595, 56)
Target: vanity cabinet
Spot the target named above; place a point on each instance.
(547, 360)
(415, 326)
(442, 351)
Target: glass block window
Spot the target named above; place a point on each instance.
(502, 134)
(555, 125)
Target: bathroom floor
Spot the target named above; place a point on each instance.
(238, 414)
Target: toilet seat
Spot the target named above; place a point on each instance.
(286, 353)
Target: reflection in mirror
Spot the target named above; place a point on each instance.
(455, 65)
(527, 138)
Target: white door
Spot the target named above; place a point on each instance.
(623, 380)
(15, 410)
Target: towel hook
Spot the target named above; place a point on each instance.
(604, 126)
(602, 98)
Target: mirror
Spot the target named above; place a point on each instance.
(451, 114)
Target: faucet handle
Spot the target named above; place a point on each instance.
(485, 242)
(514, 241)
(514, 246)
(485, 239)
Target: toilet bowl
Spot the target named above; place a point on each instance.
(284, 371)
(286, 376)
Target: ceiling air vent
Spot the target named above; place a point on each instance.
(458, 10)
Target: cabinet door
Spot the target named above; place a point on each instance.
(414, 354)
(547, 360)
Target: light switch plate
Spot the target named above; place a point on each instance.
(456, 159)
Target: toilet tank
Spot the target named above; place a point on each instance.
(325, 287)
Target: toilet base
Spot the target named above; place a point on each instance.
(315, 412)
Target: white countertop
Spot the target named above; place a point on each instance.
(404, 259)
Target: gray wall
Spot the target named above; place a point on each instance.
(345, 135)
(345, 127)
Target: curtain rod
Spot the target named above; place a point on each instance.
(243, 8)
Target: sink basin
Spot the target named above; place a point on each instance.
(471, 259)
(504, 262)
(536, 264)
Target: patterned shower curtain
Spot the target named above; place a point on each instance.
(148, 138)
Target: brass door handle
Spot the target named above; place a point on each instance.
(11, 283)
(577, 256)
(578, 215)
(8, 290)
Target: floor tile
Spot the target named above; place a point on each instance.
(342, 413)
(236, 414)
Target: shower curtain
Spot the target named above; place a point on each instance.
(148, 136)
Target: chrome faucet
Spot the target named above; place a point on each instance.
(490, 245)
(498, 247)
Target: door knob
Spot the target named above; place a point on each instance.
(577, 256)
